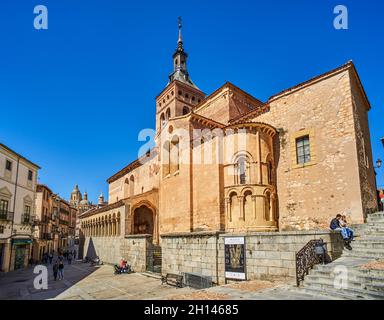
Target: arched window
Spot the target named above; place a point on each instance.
(167, 114)
(267, 206)
(166, 159)
(242, 167)
(174, 156)
(162, 120)
(185, 110)
(131, 185)
(234, 205)
(248, 205)
(270, 172)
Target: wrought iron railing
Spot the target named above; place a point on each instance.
(6, 215)
(26, 218)
(306, 258)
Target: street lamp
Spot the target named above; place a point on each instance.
(378, 163)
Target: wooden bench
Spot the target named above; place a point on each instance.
(172, 279)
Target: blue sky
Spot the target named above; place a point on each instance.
(74, 97)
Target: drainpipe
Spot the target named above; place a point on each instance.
(14, 209)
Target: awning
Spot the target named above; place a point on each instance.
(21, 241)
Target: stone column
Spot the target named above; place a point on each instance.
(241, 204)
(228, 213)
(254, 206)
(258, 150)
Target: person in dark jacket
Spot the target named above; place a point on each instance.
(335, 222)
(55, 269)
(336, 226)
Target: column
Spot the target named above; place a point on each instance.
(258, 149)
(241, 204)
(254, 206)
(228, 209)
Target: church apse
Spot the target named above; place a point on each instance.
(249, 181)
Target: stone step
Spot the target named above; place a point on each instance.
(371, 285)
(363, 253)
(375, 238)
(350, 294)
(355, 273)
(375, 217)
(368, 244)
(353, 286)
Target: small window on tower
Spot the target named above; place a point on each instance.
(180, 93)
(185, 110)
(186, 95)
(8, 165)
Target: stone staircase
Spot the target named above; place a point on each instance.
(344, 278)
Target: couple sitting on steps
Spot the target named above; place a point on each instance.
(340, 224)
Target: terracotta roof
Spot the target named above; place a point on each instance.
(345, 66)
(19, 155)
(133, 165)
(42, 186)
(310, 81)
(108, 207)
(226, 84)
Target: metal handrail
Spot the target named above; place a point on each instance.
(6, 215)
(306, 258)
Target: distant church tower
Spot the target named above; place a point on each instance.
(101, 200)
(75, 197)
(181, 95)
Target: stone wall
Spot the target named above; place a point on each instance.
(111, 249)
(190, 252)
(267, 254)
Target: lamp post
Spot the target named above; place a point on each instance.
(378, 163)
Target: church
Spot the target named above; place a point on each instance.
(230, 163)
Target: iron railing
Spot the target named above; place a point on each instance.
(26, 218)
(6, 215)
(306, 258)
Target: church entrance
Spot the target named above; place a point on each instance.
(144, 222)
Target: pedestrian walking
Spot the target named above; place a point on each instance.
(61, 270)
(55, 269)
(69, 258)
(50, 257)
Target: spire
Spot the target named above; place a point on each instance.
(180, 40)
(180, 71)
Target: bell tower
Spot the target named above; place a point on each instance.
(181, 95)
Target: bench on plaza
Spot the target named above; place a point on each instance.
(172, 279)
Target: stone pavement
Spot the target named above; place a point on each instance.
(84, 282)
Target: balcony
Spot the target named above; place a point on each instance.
(26, 218)
(46, 236)
(6, 216)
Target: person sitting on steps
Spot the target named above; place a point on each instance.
(346, 233)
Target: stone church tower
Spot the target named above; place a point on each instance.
(75, 197)
(181, 95)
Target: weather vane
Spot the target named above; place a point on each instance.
(179, 20)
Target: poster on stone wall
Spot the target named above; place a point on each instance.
(235, 258)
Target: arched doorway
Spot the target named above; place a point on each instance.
(143, 220)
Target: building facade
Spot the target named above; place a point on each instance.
(18, 179)
(56, 222)
(230, 163)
